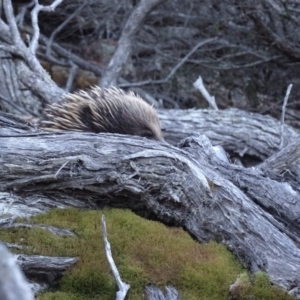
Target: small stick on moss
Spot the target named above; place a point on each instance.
(123, 287)
(286, 98)
(199, 85)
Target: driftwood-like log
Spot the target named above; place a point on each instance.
(187, 186)
(236, 130)
(239, 132)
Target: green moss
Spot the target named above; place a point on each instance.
(144, 252)
(257, 286)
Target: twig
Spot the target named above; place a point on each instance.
(62, 25)
(71, 56)
(286, 98)
(61, 168)
(198, 84)
(174, 70)
(200, 44)
(218, 65)
(34, 19)
(12, 36)
(21, 15)
(123, 287)
(72, 74)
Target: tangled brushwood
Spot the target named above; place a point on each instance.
(98, 110)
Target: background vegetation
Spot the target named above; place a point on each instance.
(251, 57)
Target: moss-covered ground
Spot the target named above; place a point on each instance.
(144, 252)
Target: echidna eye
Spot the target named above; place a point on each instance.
(147, 134)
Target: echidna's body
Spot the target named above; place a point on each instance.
(103, 110)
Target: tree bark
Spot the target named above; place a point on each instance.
(238, 131)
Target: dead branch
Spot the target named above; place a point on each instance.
(59, 28)
(174, 69)
(286, 98)
(71, 76)
(280, 41)
(32, 70)
(123, 286)
(34, 20)
(237, 131)
(68, 56)
(198, 84)
(125, 43)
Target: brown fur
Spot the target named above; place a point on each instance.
(97, 110)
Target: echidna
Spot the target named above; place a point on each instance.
(110, 110)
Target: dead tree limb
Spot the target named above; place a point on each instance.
(126, 40)
(236, 130)
(177, 186)
(29, 70)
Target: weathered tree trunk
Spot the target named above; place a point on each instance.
(188, 187)
(238, 131)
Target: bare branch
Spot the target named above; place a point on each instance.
(20, 17)
(71, 77)
(288, 91)
(124, 48)
(200, 44)
(198, 84)
(281, 42)
(71, 57)
(19, 46)
(173, 71)
(123, 287)
(34, 20)
(15, 34)
(61, 26)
